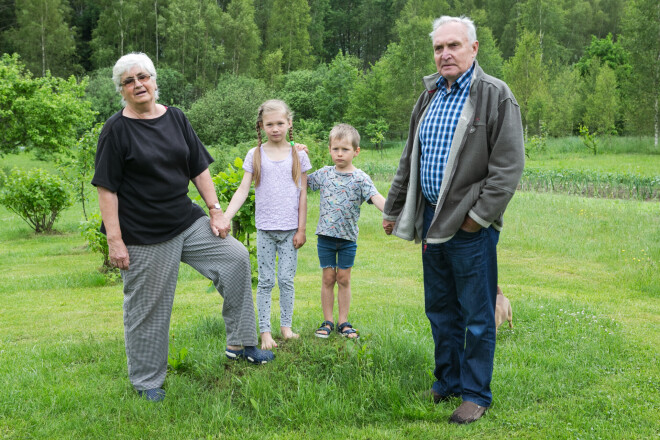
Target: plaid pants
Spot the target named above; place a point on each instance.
(149, 286)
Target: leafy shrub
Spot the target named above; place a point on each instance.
(228, 114)
(243, 224)
(35, 196)
(77, 165)
(90, 230)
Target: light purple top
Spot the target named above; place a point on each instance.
(277, 197)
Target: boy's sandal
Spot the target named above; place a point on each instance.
(346, 329)
(326, 327)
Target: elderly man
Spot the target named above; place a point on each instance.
(458, 171)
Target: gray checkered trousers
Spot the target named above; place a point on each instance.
(149, 286)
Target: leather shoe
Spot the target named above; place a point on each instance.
(468, 412)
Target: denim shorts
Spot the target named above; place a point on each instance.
(336, 252)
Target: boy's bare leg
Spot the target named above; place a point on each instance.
(267, 341)
(328, 293)
(344, 296)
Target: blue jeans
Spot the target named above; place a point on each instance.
(335, 252)
(460, 289)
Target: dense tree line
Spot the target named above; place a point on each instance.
(593, 63)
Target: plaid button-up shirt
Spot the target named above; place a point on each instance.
(437, 131)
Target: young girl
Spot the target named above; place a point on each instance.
(280, 179)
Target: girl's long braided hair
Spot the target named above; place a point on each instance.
(274, 105)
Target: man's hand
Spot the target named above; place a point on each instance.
(470, 225)
(388, 226)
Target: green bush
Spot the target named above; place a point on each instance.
(35, 196)
(228, 114)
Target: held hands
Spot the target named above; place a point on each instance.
(220, 225)
(388, 226)
(299, 239)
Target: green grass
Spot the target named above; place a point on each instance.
(581, 361)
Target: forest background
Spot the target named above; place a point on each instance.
(574, 66)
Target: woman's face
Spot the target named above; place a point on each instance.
(138, 88)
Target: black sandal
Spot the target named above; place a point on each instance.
(345, 329)
(326, 326)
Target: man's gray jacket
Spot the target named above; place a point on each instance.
(485, 163)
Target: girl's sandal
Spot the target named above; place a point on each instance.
(327, 327)
(346, 329)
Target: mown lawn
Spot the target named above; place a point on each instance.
(581, 362)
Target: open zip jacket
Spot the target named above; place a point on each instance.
(485, 163)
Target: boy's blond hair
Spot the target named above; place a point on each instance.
(345, 131)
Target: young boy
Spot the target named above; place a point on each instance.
(343, 189)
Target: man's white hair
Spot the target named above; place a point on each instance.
(129, 61)
(465, 21)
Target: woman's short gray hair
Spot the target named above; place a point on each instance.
(465, 21)
(129, 61)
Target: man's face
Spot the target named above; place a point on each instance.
(453, 53)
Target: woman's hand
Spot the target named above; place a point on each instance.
(118, 254)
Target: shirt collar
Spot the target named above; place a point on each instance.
(460, 83)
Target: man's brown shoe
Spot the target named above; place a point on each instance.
(468, 412)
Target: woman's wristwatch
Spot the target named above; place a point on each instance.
(215, 206)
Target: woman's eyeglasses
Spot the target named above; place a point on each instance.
(142, 77)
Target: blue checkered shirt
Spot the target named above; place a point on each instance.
(437, 131)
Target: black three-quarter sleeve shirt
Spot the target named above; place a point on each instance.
(149, 164)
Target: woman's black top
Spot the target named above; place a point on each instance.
(149, 164)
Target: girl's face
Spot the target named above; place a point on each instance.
(275, 124)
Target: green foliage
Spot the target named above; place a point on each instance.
(338, 82)
(35, 196)
(303, 91)
(196, 28)
(226, 183)
(271, 67)
(589, 183)
(241, 37)
(600, 100)
(288, 31)
(376, 132)
(588, 139)
(228, 114)
(77, 165)
(640, 30)
(176, 362)
(102, 95)
(43, 38)
(536, 144)
(608, 52)
(173, 88)
(40, 114)
(90, 230)
(526, 75)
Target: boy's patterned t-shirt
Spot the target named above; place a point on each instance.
(341, 197)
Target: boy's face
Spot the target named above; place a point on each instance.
(342, 153)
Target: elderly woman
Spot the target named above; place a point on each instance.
(147, 155)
